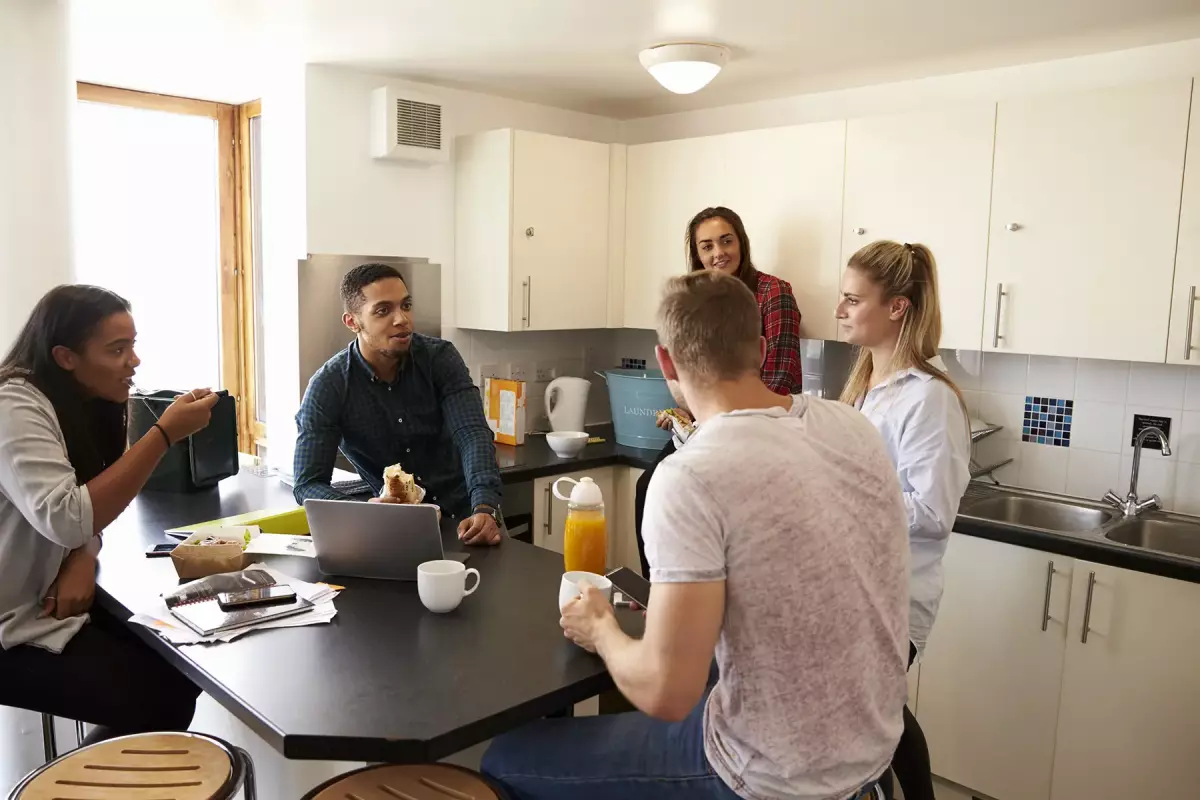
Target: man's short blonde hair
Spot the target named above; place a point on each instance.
(709, 323)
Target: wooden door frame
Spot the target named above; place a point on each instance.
(251, 432)
(236, 293)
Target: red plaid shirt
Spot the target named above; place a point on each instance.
(781, 326)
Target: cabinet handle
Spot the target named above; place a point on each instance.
(549, 508)
(1087, 607)
(529, 301)
(860, 231)
(525, 303)
(1187, 332)
(1000, 295)
(1012, 227)
(1046, 602)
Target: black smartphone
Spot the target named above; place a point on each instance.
(161, 550)
(632, 585)
(262, 596)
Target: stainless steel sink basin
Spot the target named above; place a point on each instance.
(1165, 535)
(1034, 512)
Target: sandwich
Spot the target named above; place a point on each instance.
(682, 426)
(400, 485)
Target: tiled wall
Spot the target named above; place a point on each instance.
(1096, 454)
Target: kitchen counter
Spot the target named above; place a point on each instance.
(535, 459)
(1086, 545)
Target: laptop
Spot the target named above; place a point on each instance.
(373, 540)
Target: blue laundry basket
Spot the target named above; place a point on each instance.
(636, 396)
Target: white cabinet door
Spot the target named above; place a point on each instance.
(1085, 210)
(666, 184)
(483, 293)
(560, 231)
(989, 681)
(1129, 723)
(622, 535)
(785, 184)
(927, 177)
(1183, 345)
(550, 513)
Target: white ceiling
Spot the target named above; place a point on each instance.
(582, 54)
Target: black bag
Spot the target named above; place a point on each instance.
(200, 460)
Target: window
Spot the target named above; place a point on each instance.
(250, 222)
(156, 219)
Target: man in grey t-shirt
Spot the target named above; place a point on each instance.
(777, 541)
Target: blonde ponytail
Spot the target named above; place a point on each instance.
(909, 271)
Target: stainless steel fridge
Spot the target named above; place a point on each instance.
(322, 333)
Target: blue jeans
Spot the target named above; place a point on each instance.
(627, 756)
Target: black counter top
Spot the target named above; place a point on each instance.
(535, 459)
(1086, 545)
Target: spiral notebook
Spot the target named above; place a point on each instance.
(195, 604)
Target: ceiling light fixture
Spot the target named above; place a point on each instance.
(684, 68)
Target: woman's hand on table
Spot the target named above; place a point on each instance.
(73, 589)
(479, 529)
(584, 617)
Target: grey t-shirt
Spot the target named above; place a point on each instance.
(800, 513)
(44, 515)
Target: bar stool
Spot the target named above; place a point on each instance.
(410, 781)
(162, 766)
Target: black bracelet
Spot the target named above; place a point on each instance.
(166, 438)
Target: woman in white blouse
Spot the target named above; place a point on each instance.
(66, 472)
(889, 309)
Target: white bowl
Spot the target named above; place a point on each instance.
(567, 444)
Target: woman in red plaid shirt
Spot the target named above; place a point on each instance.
(716, 239)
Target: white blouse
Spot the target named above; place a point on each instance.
(925, 432)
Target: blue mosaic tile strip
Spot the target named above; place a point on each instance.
(1047, 421)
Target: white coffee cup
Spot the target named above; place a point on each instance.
(443, 584)
(573, 582)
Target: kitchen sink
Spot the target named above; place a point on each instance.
(1035, 512)
(1163, 534)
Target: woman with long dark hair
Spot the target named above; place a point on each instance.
(716, 239)
(66, 474)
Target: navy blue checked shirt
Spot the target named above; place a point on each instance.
(429, 419)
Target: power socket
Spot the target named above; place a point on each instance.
(521, 371)
(485, 371)
(546, 371)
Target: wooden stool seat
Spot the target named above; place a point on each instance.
(407, 782)
(155, 766)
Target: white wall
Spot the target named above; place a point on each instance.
(1106, 395)
(1138, 65)
(38, 96)
(359, 206)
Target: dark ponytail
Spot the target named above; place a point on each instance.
(94, 429)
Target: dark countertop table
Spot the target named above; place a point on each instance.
(386, 680)
(535, 459)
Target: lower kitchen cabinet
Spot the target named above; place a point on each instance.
(622, 536)
(1015, 712)
(1129, 718)
(990, 678)
(550, 513)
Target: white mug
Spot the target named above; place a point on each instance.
(443, 584)
(572, 583)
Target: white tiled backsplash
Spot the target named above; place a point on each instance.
(1105, 395)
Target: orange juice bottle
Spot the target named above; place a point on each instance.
(585, 539)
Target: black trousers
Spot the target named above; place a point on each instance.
(105, 676)
(911, 761)
(639, 505)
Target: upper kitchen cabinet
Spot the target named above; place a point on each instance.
(1183, 346)
(531, 232)
(1085, 210)
(785, 183)
(927, 177)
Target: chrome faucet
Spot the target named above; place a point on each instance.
(1131, 506)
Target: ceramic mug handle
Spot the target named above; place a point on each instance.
(470, 572)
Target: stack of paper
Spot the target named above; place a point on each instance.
(321, 595)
